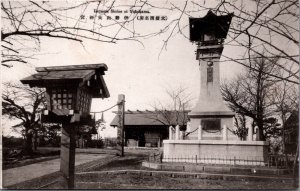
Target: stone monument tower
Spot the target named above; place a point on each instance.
(211, 126)
(210, 113)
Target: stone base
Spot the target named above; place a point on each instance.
(216, 152)
(240, 170)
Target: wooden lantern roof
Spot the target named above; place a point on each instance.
(72, 75)
(210, 23)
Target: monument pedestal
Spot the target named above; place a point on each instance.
(212, 127)
(216, 152)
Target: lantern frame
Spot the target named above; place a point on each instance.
(69, 90)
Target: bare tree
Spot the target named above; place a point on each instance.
(257, 26)
(240, 121)
(25, 23)
(285, 100)
(49, 134)
(24, 104)
(250, 95)
(175, 111)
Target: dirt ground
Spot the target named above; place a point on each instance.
(125, 181)
(133, 181)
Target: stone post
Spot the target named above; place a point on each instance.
(177, 136)
(224, 133)
(250, 134)
(188, 126)
(181, 135)
(199, 132)
(257, 138)
(170, 133)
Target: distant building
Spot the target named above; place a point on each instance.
(149, 128)
(291, 132)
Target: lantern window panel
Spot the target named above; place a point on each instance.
(61, 97)
(84, 100)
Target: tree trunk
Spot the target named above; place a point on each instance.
(283, 143)
(295, 170)
(28, 144)
(35, 142)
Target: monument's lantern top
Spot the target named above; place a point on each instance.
(210, 27)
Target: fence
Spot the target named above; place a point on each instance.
(278, 161)
(281, 161)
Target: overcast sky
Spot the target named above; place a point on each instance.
(133, 69)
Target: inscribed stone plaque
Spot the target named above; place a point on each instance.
(211, 124)
(209, 74)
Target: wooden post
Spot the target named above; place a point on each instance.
(123, 124)
(121, 113)
(67, 155)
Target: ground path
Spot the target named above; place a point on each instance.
(20, 174)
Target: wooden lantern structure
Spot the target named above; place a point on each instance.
(69, 90)
(69, 93)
